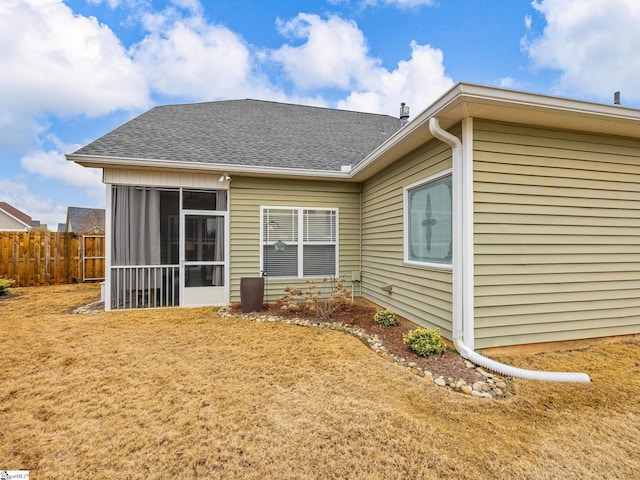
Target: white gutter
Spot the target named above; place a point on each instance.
(463, 319)
(97, 161)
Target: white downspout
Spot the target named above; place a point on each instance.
(463, 319)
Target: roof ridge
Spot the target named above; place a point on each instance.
(275, 102)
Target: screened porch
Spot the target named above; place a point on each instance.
(168, 247)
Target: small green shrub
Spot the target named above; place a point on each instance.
(424, 341)
(386, 318)
(5, 283)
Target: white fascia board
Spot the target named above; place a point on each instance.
(124, 162)
(471, 92)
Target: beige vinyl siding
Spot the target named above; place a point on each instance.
(421, 294)
(247, 195)
(557, 235)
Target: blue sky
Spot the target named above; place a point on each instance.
(70, 71)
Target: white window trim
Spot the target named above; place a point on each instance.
(300, 242)
(407, 189)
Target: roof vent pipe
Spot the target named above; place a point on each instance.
(404, 114)
(458, 275)
(616, 98)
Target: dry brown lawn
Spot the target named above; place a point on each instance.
(182, 393)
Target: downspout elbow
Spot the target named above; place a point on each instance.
(511, 371)
(444, 136)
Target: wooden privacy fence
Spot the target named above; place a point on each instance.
(50, 258)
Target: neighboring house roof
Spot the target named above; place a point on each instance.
(248, 133)
(15, 219)
(266, 138)
(85, 220)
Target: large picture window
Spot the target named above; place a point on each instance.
(299, 242)
(428, 221)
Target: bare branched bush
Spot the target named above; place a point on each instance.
(324, 299)
(321, 299)
(291, 301)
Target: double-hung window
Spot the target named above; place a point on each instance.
(299, 242)
(428, 221)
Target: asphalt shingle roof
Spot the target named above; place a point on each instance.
(82, 220)
(10, 209)
(248, 133)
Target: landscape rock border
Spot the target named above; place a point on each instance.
(488, 385)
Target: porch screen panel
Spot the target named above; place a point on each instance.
(204, 200)
(218, 270)
(205, 237)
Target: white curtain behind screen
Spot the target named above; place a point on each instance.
(136, 226)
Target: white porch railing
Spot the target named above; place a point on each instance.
(144, 286)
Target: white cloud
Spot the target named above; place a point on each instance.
(133, 4)
(506, 82)
(43, 209)
(55, 62)
(193, 6)
(335, 55)
(52, 164)
(592, 43)
(111, 3)
(190, 58)
(417, 82)
(49, 172)
(17, 129)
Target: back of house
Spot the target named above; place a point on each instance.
(504, 218)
